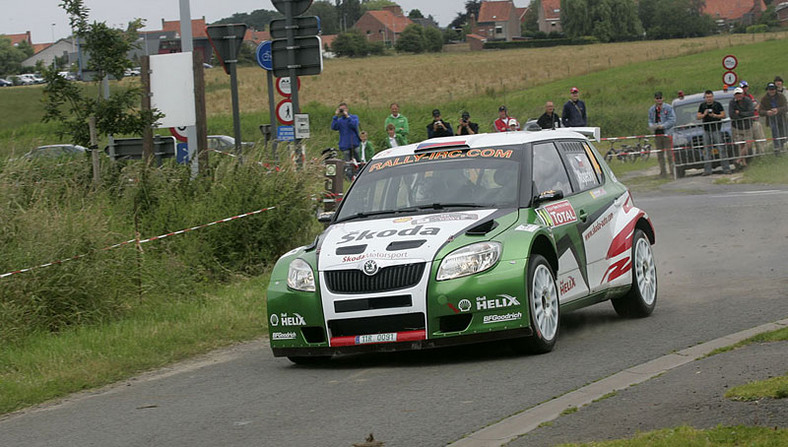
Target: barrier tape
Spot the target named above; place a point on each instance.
(138, 242)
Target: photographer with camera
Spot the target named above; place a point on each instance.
(438, 127)
(347, 125)
(466, 127)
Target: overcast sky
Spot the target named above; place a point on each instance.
(45, 19)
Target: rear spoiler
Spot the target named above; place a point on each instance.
(589, 132)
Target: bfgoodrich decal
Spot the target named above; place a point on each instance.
(283, 336)
(502, 318)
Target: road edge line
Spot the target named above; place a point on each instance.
(512, 427)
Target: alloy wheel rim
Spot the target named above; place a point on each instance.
(544, 302)
(645, 271)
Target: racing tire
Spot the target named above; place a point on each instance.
(641, 299)
(543, 308)
(309, 361)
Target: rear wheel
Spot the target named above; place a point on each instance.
(642, 297)
(543, 307)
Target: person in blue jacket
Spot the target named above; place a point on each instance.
(575, 114)
(349, 139)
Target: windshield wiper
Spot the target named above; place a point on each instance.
(410, 209)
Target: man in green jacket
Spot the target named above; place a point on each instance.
(399, 121)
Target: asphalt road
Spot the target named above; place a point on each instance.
(722, 256)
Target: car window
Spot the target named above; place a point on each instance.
(582, 171)
(549, 172)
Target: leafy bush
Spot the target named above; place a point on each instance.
(752, 29)
(49, 212)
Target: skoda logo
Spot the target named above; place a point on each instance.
(371, 267)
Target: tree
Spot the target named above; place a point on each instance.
(11, 57)
(376, 5)
(472, 7)
(607, 20)
(531, 22)
(415, 14)
(433, 40)
(348, 12)
(329, 20)
(67, 104)
(411, 40)
(668, 19)
(258, 19)
(350, 44)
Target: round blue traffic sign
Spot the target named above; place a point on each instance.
(264, 58)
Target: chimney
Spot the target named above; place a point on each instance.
(394, 9)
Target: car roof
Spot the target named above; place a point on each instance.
(485, 140)
(695, 98)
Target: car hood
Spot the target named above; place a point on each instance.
(393, 240)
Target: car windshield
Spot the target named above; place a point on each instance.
(472, 178)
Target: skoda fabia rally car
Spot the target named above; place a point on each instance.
(465, 239)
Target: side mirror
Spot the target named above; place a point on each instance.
(548, 196)
(325, 217)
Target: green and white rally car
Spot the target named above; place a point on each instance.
(465, 239)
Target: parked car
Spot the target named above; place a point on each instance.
(56, 151)
(67, 75)
(5, 83)
(688, 132)
(465, 239)
(132, 72)
(226, 143)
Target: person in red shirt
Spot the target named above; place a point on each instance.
(502, 124)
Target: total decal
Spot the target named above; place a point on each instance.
(557, 214)
(285, 319)
(354, 242)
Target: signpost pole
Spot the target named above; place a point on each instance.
(187, 45)
(271, 112)
(236, 113)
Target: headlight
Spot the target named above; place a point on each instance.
(300, 277)
(469, 260)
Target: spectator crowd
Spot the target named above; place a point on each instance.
(744, 111)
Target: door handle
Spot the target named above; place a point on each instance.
(582, 216)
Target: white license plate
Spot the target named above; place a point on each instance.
(376, 338)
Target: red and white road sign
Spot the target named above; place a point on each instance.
(179, 133)
(729, 78)
(284, 112)
(284, 88)
(729, 62)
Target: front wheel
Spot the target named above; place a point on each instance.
(642, 296)
(543, 307)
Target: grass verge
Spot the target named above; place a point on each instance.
(775, 387)
(48, 366)
(690, 437)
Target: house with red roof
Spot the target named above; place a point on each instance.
(498, 20)
(729, 12)
(550, 16)
(16, 39)
(384, 25)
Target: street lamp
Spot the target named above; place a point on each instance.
(53, 33)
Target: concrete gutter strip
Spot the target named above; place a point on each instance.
(503, 432)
